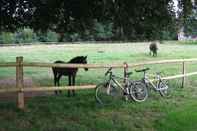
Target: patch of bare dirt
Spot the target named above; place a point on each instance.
(11, 83)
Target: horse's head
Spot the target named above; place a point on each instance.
(85, 62)
(79, 60)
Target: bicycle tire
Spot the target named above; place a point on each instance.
(105, 96)
(138, 91)
(164, 92)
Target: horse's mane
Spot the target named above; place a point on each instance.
(59, 61)
(76, 59)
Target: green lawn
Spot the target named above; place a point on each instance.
(61, 113)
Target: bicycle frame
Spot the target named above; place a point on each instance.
(113, 80)
(155, 86)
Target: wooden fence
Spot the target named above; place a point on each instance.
(19, 64)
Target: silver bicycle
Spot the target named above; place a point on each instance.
(158, 84)
(112, 89)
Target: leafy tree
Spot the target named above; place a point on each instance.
(191, 23)
(136, 19)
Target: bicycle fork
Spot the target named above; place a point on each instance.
(126, 93)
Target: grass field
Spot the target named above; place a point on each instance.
(61, 113)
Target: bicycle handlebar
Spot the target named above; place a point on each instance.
(142, 70)
(108, 71)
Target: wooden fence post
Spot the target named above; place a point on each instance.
(19, 82)
(125, 70)
(126, 67)
(183, 71)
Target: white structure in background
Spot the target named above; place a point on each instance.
(181, 34)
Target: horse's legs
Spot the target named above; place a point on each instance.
(150, 53)
(55, 81)
(73, 83)
(69, 83)
(58, 81)
(154, 53)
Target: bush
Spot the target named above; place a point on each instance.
(75, 37)
(88, 36)
(1, 38)
(41, 36)
(48, 36)
(167, 35)
(72, 37)
(25, 36)
(102, 31)
(7, 38)
(51, 36)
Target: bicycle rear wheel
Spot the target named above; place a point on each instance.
(138, 91)
(107, 93)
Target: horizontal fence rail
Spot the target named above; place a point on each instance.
(163, 62)
(30, 89)
(8, 64)
(19, 65)
(38, 64)
(179, 76)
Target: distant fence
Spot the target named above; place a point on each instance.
(19, 64)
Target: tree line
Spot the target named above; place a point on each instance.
(97, 19)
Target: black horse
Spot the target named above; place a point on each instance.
(58, 72)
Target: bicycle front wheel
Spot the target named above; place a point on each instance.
(138, 91)
(107, 93)
(164, 89)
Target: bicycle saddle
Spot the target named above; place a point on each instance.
(129, 73)
(142, 70)
(108, 71)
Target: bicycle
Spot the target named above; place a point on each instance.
(160, 85)
(112, 89)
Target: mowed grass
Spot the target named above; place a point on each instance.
(62, 113)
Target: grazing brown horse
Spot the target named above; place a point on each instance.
(58, 72)
(153, 48)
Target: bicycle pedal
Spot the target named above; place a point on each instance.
(126, 98)
(125, 93)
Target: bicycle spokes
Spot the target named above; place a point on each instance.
(138, 92)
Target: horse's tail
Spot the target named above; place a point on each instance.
(53, 69)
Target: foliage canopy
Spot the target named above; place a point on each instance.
(130, 19)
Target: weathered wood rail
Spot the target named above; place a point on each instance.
(19, 64)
